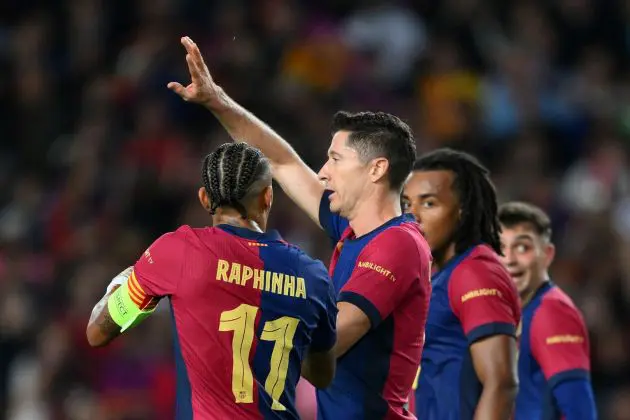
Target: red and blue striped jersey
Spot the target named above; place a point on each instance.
(553, 349)
(473, 297)
(385, 273)
(246, 307)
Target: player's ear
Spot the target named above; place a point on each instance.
(378, 169)
(550, 253)
(267, 197)
(203, 198)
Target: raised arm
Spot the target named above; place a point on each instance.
(293, 175)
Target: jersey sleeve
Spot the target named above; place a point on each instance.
(575, 399)
(559, 342)
(325, 334)
(158, 270)
(484, 300)
(333, 224)
(385, 270)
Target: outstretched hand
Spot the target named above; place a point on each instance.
(202, 89)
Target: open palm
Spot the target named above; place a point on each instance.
(202, 89)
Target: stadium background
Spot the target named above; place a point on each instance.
(97, 158)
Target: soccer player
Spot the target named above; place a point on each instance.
(248, 308)
(469, 359)
(381, 263)
(553, 361)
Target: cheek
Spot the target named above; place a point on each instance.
(526, 261)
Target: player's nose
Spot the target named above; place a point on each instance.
(323, 174)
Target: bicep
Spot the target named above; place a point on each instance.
(494, 359)
(352, 325)
(482, 303)
(301, 184)
(559, 342)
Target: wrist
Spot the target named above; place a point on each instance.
(218, 102)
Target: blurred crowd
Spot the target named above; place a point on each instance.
(98, 158)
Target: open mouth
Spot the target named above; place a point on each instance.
(516, 275)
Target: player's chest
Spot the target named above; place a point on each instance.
(343, 262)
(528, 367)
(442, 324)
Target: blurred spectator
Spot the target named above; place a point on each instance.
(97, 158)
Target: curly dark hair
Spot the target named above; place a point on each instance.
(476, 193)
(517, 212)
(234, 174)
(379, 134)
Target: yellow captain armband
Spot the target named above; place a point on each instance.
(128, 306)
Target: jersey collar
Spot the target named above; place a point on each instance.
(269, 236)
(546, 285)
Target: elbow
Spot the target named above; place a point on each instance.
(507, 386)
(94, 336)
(320, 371)
(322, 380)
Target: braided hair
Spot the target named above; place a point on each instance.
(233, 174)
(477, 197)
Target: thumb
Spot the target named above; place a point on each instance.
(178, 88)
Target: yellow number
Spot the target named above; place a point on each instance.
(281, 331)
(415, 381)
(241, 320)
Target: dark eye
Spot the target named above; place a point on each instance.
(428, 204)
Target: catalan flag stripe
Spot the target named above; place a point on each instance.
(133, 283)
(135, 291)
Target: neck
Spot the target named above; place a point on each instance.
(256, 224)
(373, 211)
(442, 257)
(528, 294)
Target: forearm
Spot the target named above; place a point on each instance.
(244, 126)
(101, 329)
(496, 402)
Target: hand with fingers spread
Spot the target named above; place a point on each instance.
(202, 89)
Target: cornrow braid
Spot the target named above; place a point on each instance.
(477, 197)
(229, 173)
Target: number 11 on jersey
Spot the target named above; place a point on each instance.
(242, 321)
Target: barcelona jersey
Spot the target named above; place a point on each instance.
(385, 273)
(553, 351)
(246, 308)
(473, 297)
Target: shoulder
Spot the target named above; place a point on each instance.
(402, 240)
(483, 263)
(177, 238)
(557, 307)
(481, 269)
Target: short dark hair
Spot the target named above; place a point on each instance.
(233, 175)
(477, 197)
(379, 134)
(517, 212)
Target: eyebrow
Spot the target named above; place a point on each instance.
(524, 236)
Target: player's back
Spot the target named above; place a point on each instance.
(246, 309)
